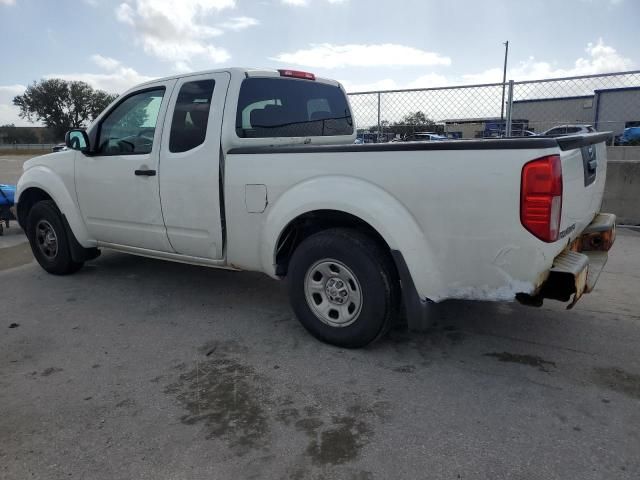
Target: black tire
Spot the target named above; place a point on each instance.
(375, 273)
(45, 214)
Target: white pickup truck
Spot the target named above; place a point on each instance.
(257, 170)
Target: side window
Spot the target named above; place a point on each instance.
(573, 129)
(130, 127)
(191, 115)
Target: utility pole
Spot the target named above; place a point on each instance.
(504, 78)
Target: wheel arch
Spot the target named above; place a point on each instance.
(354, 203)
(314, 221)
(40, 183)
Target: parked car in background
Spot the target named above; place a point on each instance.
(425, 137)
(630, 136)
(59, 147)
(569, 130)
(524, 133)
(514, 133)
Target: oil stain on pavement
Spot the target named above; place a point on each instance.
(238, 405)
(531, 360)
(226, 396)
(618, 380)
(334, 438)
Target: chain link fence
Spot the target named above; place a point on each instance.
(606, 102)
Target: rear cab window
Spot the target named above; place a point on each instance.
(282, 107)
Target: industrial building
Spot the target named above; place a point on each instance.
(611, 109)
(486, 127)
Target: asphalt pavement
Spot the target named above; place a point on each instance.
(141, 369)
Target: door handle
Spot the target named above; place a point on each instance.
(145, 173)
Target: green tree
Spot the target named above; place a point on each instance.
(62, 104)
(413, 122)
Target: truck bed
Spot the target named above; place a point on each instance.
(451, 207)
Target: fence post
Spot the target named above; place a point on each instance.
(509, 109)
(378, 117)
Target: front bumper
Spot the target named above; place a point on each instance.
(576, 270)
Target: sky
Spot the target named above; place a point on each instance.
(367, 45)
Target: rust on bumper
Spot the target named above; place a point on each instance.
(598, 236)
(576, 270)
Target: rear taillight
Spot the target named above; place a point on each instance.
(541, 197)
(297, 74)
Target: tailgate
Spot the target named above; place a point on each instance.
(584, 171)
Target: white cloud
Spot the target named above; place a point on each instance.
(15, 89)
(9, 112)
(116, 77)
(106, 63)
(424, 81)
(238, 23)
(384, 84)
(428, 81)
(327, 55)
(600, 58)
(304, 3)
(175, 31)
(7, 2)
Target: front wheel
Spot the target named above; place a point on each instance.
(49, 240)
(343, 287)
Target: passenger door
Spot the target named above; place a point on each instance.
(117, 187)
(190, 165)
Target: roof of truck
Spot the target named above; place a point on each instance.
(249, 72)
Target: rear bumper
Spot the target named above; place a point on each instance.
(576, 270)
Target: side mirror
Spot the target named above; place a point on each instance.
(77, 139)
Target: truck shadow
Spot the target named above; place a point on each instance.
(454, 323)
(482, 333)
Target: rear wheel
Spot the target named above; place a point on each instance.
(343, 287)
(49, 240)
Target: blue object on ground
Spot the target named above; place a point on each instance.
(631, 134)
(7, 194)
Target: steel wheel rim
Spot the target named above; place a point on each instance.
(333, 293)
(46, 239)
